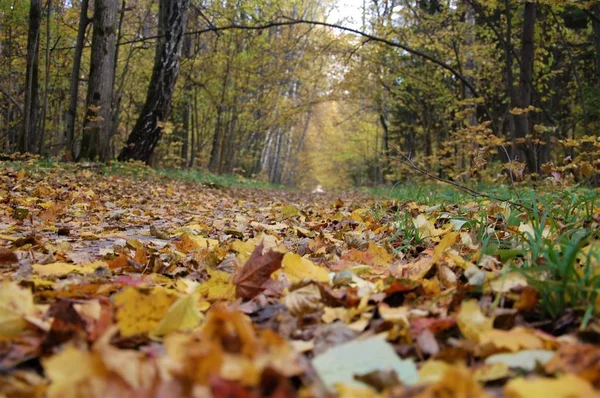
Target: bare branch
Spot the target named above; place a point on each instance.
(12, 99)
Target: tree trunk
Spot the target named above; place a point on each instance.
(596, 25)
(95, 142)
(74, 87)
(147, 130)
(29, 134)
(522, 99)
(46, 79)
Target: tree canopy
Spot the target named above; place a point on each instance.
(283, 92)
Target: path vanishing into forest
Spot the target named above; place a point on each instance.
(130, 283)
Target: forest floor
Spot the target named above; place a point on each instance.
(122, 282)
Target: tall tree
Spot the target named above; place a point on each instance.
(74, 85)
(29, 134)
(95, 141)
(522, 99)
(148, 128)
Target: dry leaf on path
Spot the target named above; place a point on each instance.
(250, 280)
(15, 303)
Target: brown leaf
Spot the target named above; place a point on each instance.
(7, 256)
(580, 359)
(251, 279)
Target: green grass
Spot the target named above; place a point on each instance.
(559, 253)
(141, 171)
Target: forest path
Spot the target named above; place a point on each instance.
(77, 214)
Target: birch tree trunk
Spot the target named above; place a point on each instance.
(147, 131)
(95, 142)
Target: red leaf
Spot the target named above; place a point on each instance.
(435, 325)
(221, 388)
(251, 279)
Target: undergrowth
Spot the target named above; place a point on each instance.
(550, 235)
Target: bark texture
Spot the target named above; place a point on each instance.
(74, 85)
(95, 143)
(29, 135)
(522, 99)
(147, 131)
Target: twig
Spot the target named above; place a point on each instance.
(510, 174)
(409, 162)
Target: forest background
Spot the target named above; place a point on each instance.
(285, 92)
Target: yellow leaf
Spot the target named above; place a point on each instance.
(457, 381)
(512, 340)
(426, 228)
(182, 315)
(15, 303)
(244, 249)
(505, 283)
(332, 314)
(70, 372)
(444, 245)
(352, 391)
(298, 268)
(359, 215)
(417, 270)
(140, 311)
(289, 211)
(61, 269)
(431, 286)
(218, 287)
(567, 386)
(432, 371)
(471, 321)
(379, 256)
(492, 372)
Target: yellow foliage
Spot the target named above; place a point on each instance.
(297, 268)
(15, 304)
(141, 311)
(471, 321)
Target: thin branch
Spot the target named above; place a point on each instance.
(291, 22)
(12, 99)
(409, 162)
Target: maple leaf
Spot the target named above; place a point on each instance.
(251, 278)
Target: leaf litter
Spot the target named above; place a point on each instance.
(150, 287)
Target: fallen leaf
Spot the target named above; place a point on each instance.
(304, 300)
(471, 321)
(141, 311)
(182, 315)
(456, 381)
(72, 372)
(15, 304)
(526, 360)
(567, 386)
(218, 286)
(251, 278)
(579, 359)
(510, 340)
(298, 268)
(492, 372)
(340, 364)
(188, 243)
(61, 269)
(7, 256)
